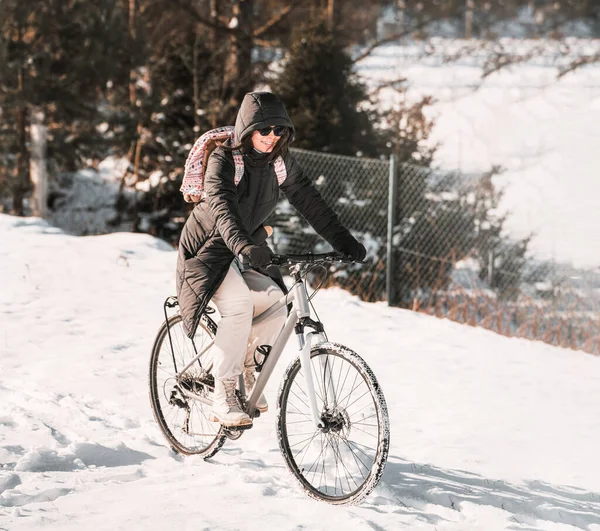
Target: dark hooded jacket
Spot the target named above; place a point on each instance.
(223, 223)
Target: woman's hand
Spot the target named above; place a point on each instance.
(261, 234)
(257, 255)
(351, 247)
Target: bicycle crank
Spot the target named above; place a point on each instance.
(235, 432)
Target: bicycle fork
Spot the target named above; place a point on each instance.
(305, 342)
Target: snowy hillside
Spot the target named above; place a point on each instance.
(487, 432)
(542, 130)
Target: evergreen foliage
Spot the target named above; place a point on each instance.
(324, 97)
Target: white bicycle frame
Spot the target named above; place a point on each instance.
(298, 297)
(300, 309)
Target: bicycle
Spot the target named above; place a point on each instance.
(332, 422)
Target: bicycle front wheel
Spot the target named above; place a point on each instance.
(342, 461)
(178, 397)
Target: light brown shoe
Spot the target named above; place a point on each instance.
(225, 408)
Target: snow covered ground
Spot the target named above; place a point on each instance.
(542, 130)
(487, 432)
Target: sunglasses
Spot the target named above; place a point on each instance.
(278, 130)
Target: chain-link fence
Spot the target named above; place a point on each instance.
(448, 255)
(357, 188)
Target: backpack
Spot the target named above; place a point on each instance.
(192, 186)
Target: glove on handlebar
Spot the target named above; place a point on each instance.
(257, 255)
(260, 235)
(351, 247)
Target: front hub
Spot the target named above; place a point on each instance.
(335, 422)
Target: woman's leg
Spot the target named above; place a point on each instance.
(265, 292)
(236, 306)
(234, 302)
(238, 299)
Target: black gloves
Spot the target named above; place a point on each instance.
(260, 235)
(257, 255)
(351, 247)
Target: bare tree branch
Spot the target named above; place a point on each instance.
(395, 84)
(580, 61)
(185, 6)
(391, 38)
(259, 32)
(5, 90)
(265, 43)
(501, 60)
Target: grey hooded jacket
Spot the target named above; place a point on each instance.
(222, 224)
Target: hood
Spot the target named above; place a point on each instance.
(260, 109)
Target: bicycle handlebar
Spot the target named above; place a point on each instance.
(289, 259)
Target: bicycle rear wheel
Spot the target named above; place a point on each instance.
(176, 398)
(342, 462)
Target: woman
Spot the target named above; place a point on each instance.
(228, 223)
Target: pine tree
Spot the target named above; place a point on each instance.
(324, 96)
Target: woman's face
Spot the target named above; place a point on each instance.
(264, 144)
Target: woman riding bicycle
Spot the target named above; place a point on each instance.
(228, 223)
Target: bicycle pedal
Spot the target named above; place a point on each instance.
(239, 428)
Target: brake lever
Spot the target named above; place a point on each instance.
(341, 257)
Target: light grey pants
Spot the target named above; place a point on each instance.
(239, 298)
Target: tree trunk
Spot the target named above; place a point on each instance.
(196, 74)
(331, 15)
(214, 17)
(237, 79)
(401, 10)
(469, 19)
(22, 182)
(132, 38)
(136, 147)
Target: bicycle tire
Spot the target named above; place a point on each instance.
(345, 425)
(168, 408)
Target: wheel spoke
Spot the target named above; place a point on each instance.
(366, 432)
(363, 418)
(356, 459)
(305, 448)
(298, 412)
(300, 399)
(370, 457)
(346, 471)
(368, 391)
(348, 396)
(312, 436)
(317, 458)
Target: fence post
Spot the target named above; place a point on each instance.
(491, 268)
(392, 196)
(37, 165)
